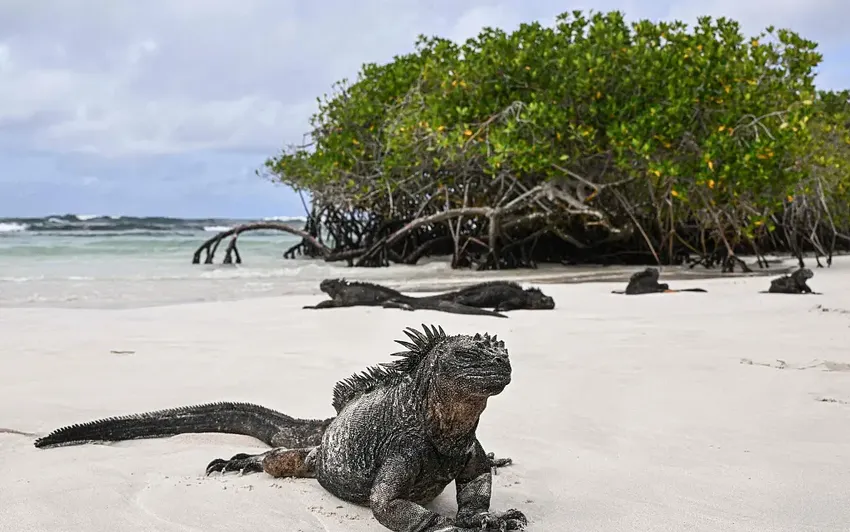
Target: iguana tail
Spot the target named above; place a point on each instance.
(271, 427)
(457, 308)
(451, 307)
(664, 292)
(701, 290)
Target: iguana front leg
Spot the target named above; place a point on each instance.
(388, 500)
(509, 304)
(473, 497)
(398, 474)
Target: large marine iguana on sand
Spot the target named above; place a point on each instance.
(344, 293)
(403, 431)
(792, 284)
(646, 282)
(501, 296)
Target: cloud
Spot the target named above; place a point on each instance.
(146, 83)
(819, 20)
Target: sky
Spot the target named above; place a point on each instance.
(167, 107)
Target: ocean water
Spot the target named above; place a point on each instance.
(91, 261)
(124, 262)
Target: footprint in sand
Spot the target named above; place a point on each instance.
(832, 400)
(832, 310)
(19, 432)
(827, 365)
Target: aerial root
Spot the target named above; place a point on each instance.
(209, 247)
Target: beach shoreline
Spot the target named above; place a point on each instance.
(658, 412)
(124, 282)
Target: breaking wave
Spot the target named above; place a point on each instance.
(101, 225)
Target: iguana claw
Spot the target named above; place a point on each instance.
(502, 521)
(242, 462)
(498, 462)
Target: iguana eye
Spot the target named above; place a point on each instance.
(468, 354)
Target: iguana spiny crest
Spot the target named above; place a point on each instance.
(478, 363)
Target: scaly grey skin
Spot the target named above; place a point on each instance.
(646, 282)
(404, 430)
(344, 293)
(501, 296)
(270, 427)
(792, 284)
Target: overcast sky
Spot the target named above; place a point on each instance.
(166, 107)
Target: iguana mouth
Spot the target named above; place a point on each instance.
(547, 304)
(490, 380)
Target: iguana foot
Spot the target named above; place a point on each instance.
(498, 462)
(242, 462)
(292, 463)
(510, 520)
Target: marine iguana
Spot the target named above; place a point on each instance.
(792, 284)
(403, 431)
(346, 293)
(646, 282)
(498, 295)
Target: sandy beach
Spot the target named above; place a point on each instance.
(726, 411)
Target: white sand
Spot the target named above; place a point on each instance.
(625, 413)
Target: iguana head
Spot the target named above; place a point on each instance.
(465, 364)
(538, 300)
(649, 273)
(332, 286)
(804, 273)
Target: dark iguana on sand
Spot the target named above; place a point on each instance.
(498, 295)
(792, 284)
(646, 282)
(403, 431)
(346, 293)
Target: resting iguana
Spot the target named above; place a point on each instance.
(346, 293)
(792, 284)
(403, 431)
(498, 295)
(646, 282)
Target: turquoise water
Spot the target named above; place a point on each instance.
(109, 262)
